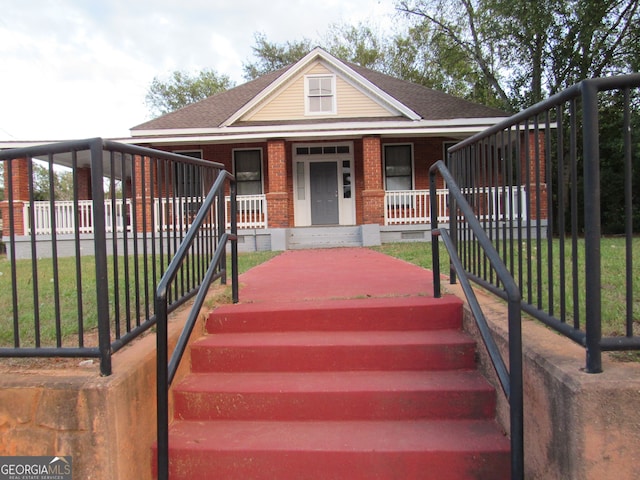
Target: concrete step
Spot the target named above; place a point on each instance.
(370, 388)
(333, 351)
(349, 450)
(395, 313)
(368, 395)
(324, 237)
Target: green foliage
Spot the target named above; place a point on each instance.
(182, 88)
(524, 50)
(44, 177)
(272, 57)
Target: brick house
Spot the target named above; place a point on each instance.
(324, 144)
(326, 153)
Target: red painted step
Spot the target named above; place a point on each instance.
(313, 351)
(395, 313)
(393, 395)
(348, 389)
(349, 450)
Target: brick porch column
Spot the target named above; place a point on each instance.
(83, 175)
(373, 193)
(18, 181)
(536, 190)
(142, 178)
(277, 196)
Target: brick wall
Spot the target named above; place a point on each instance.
(19, 182)
(373, 192)
(533, 167)
(278, 193)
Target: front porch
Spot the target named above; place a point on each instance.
(407, 217)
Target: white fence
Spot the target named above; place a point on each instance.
(407, 207)
(66, 219)
(252, 213)
(401, 207)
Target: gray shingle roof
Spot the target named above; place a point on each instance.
(430, 104)
(213, 111)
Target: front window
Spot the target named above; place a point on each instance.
(247, 165)
(320, 94)
(398, 167)
(187, 178)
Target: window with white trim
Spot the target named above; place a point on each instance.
(398, 167)
(247, 165)
(320, 94)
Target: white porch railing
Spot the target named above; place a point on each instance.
(408, 207)
(66, 220)
(401, 207)
(252, 213)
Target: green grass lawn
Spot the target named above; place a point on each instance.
(72, 300)
(613, 277)
(76, 306)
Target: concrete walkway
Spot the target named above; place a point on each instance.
(332, 274)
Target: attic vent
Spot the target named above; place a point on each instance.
(322, 150)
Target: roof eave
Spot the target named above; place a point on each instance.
(451, 127)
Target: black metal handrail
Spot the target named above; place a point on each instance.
(567, 151)
(217, 269)
(511, 379)
(126, 212)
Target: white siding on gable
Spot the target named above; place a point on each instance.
(289, 102)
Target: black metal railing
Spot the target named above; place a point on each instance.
(216, 269)
(577, 153)
(90, 227)
(510, 379)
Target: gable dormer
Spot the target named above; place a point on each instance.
(321, 87)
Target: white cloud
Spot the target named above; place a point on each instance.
(73, 69)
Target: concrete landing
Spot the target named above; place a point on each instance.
(333, 274)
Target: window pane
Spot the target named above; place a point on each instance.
(248, 172)
(314, 86)
(326, 104)
(398, 160)
(249, 188)
(399, 183)
(397, 167)
(314, 104)
(325, 86)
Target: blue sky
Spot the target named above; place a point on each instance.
(81, 68)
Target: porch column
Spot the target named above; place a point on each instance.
(534, 159)
(373, 193)
(83, 175)
(142, 178)
(277, 196)
(18, 182)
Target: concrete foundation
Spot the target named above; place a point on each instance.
(57, 407)
(577, 426)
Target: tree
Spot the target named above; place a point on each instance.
(528, 50)
(272, 57)
(465, 26)
(44, 178)
(182, 88)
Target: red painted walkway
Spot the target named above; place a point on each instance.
(331, 274)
